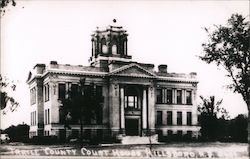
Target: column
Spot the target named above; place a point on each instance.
(184, 118)
(164, 117)
(126, 48)
(114, 109)
(67, 89)
(122, 110)
(151, 109)
(173, 96)
(183, 96)
(194, 107)
(174, 113)
(144, 110)
(105, 94)
(39, 108)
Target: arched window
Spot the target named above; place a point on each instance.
(114, 49)
(104, 48)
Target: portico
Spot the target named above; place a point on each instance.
(135, 105)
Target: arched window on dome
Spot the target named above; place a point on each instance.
(104, 48)
(114, 49)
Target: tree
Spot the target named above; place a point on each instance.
(5, 97)
(18, 133)
(238, 128)
(4, 4)
(211, 117)
(228, 46)
(81, 105)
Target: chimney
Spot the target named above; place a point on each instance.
(53, 62)
(193, 74)
(39, 68)
(163, 68)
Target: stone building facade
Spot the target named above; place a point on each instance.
(137, 100)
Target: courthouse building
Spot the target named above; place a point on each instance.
(138, 100)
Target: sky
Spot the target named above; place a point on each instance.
(160, 32)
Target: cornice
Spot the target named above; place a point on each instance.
(115, 73)
(176, 79)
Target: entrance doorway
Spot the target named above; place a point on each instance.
(132, 127)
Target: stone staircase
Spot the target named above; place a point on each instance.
(128, 140)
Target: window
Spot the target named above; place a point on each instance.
(62, 91)
(189, 134)
(99, 93)
(189, 97)
(46, 133)
(131, 102)
(74, 89)
(189, 118)
(179, 133)
(33, 118)
(114, 49)
(179, 97)
(131, 98)
(159, 96)
(47, 116)
(169, 118)
(164, 96)
(104, 48)
(33, 96)
(169, 96)
(159, 118)
(179, 118)
(170, 132)
(88, 90)
(46, 92)
(61, 116)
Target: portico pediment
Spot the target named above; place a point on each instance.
(132, 70)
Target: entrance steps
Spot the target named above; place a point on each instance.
(128, 140)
